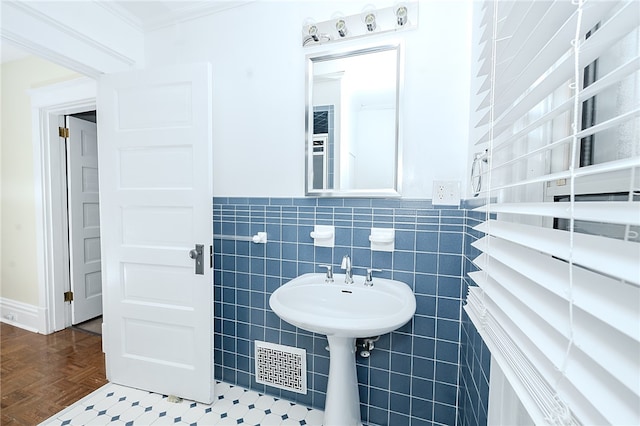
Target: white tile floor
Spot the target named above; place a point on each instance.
(118, 405)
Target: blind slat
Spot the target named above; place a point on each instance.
(611, 166)
(594, 89)
(560, 308)
(612, 122)
(551, 306)
(487, 17)
(485, 103)
(618, 212)
(602, 345)
(587, 250)
(610, 79)
(613, 402)
(539, 335)
(588, 388)
(484, 69)
(537, 312)
(521, 360)
(555, 112)
(485, 86)
(507, 109)
(590, 292)
(543, 18)
(557, 47)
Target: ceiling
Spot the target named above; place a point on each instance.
(146, 15)
(152, 14)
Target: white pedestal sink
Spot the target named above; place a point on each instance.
(343, 312)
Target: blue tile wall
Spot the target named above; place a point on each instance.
(413, 376)
(475, 358)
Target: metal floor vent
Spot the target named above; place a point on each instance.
(284, 367)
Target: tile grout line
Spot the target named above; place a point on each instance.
(233, 402)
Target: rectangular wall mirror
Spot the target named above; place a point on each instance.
(353, 123)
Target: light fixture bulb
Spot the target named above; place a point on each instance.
(313, 32)
(370, 21)
(401, 14)
(341, 27)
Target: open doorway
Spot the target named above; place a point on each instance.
(50, 105)
(83, 218)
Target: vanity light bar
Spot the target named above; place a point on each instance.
(400, 17)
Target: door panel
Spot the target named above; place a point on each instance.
(156, 193)
(157, 160)
(84, 220)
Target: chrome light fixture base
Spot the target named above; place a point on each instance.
(401, 17)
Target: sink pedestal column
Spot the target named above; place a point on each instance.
(342, 406)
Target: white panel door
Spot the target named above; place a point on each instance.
(155, 153)
(84, 220)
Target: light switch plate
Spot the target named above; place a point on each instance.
(446, 193)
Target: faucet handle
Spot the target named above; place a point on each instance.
(368, 281)
(346, 262)
(329, 278)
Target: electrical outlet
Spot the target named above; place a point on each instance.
(446, 193)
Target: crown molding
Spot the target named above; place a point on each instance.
(44, 36)
(121, 13)
(187, 11)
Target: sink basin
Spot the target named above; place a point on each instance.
(343, 312)
(347, 310)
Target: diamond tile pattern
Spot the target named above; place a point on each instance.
(117, 405)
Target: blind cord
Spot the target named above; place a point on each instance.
(575, 143)
(494, 41)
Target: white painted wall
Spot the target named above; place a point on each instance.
(68, 38)
(19, 278)
(258, 65)
(374, 128)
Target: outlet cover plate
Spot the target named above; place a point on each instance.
(446, 193)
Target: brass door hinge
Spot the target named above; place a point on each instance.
(63, 132)
(68, 296)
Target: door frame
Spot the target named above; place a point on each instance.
(49, 105)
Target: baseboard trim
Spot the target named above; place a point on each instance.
(19, 314)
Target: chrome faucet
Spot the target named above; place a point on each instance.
(368, 281)
(346, 265)
(329, 276)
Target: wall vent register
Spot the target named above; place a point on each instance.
(283, 367)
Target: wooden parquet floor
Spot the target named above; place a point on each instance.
(41, 375)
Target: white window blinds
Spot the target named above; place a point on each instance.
(558, 287)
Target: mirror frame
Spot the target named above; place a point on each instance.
(327, 56)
